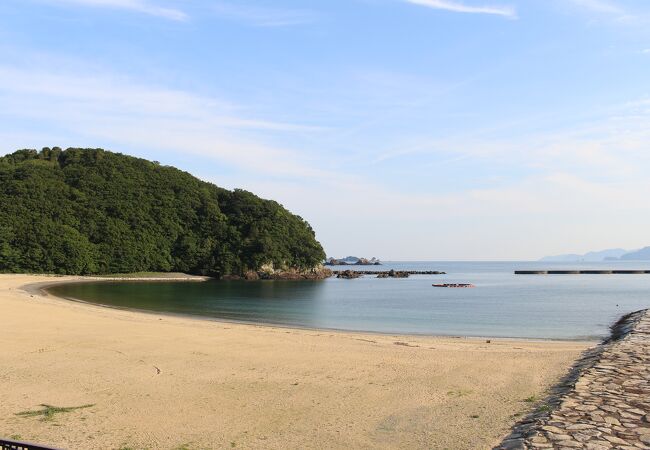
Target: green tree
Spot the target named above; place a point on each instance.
(90, 211)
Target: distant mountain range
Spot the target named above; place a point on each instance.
(639, 255)
(614, 254)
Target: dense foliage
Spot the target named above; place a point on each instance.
(90, 211)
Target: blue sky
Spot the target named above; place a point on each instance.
(402, 129)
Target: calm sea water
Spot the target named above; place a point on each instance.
(502, 304)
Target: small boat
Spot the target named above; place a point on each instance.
(454, 285)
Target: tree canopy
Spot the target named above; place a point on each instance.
(91, 211)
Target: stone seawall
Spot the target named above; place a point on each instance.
(603, 403)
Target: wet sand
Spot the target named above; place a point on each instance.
(170, 382)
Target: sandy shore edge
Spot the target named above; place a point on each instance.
(42, 289)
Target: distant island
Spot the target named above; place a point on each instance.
(353, 261)
(90, 211)
(616, 254)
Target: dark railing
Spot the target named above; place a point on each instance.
(6, 444)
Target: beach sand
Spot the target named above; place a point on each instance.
(169, 382)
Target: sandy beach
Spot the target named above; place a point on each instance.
(168, 382)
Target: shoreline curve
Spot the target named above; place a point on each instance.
(41, 288)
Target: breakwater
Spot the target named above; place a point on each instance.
(351, 274)
(386, 272)
(603, 403)
(582, 272)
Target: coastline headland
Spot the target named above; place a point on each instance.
(583, 272)
(604, 401)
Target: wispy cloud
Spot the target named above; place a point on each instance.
(140, 6)
(99, 107)
(618, 11)
(448, 5)
(600, 6)
(263, 17)
(612, 141)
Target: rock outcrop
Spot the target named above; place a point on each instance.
(393, 274)
(348, 274)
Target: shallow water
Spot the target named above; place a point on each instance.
(501, 305)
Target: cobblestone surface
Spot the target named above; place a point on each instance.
(603, 404)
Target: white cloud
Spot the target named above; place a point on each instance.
(140, 6)
(455, 6)
(263, 17)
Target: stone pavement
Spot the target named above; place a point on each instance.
(604, 403)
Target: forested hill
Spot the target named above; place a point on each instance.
(90, 211)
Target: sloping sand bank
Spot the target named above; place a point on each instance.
(168, 382)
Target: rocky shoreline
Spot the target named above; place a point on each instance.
(269, 273)
(604, 401)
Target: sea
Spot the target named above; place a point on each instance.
(567, 307)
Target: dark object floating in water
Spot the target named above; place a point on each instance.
(454, 285)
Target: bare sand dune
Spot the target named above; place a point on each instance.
(167, 382)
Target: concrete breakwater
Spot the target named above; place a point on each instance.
(581, 272)
(603, 403)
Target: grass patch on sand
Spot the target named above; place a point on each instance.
(49, 411)
(459, 392)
